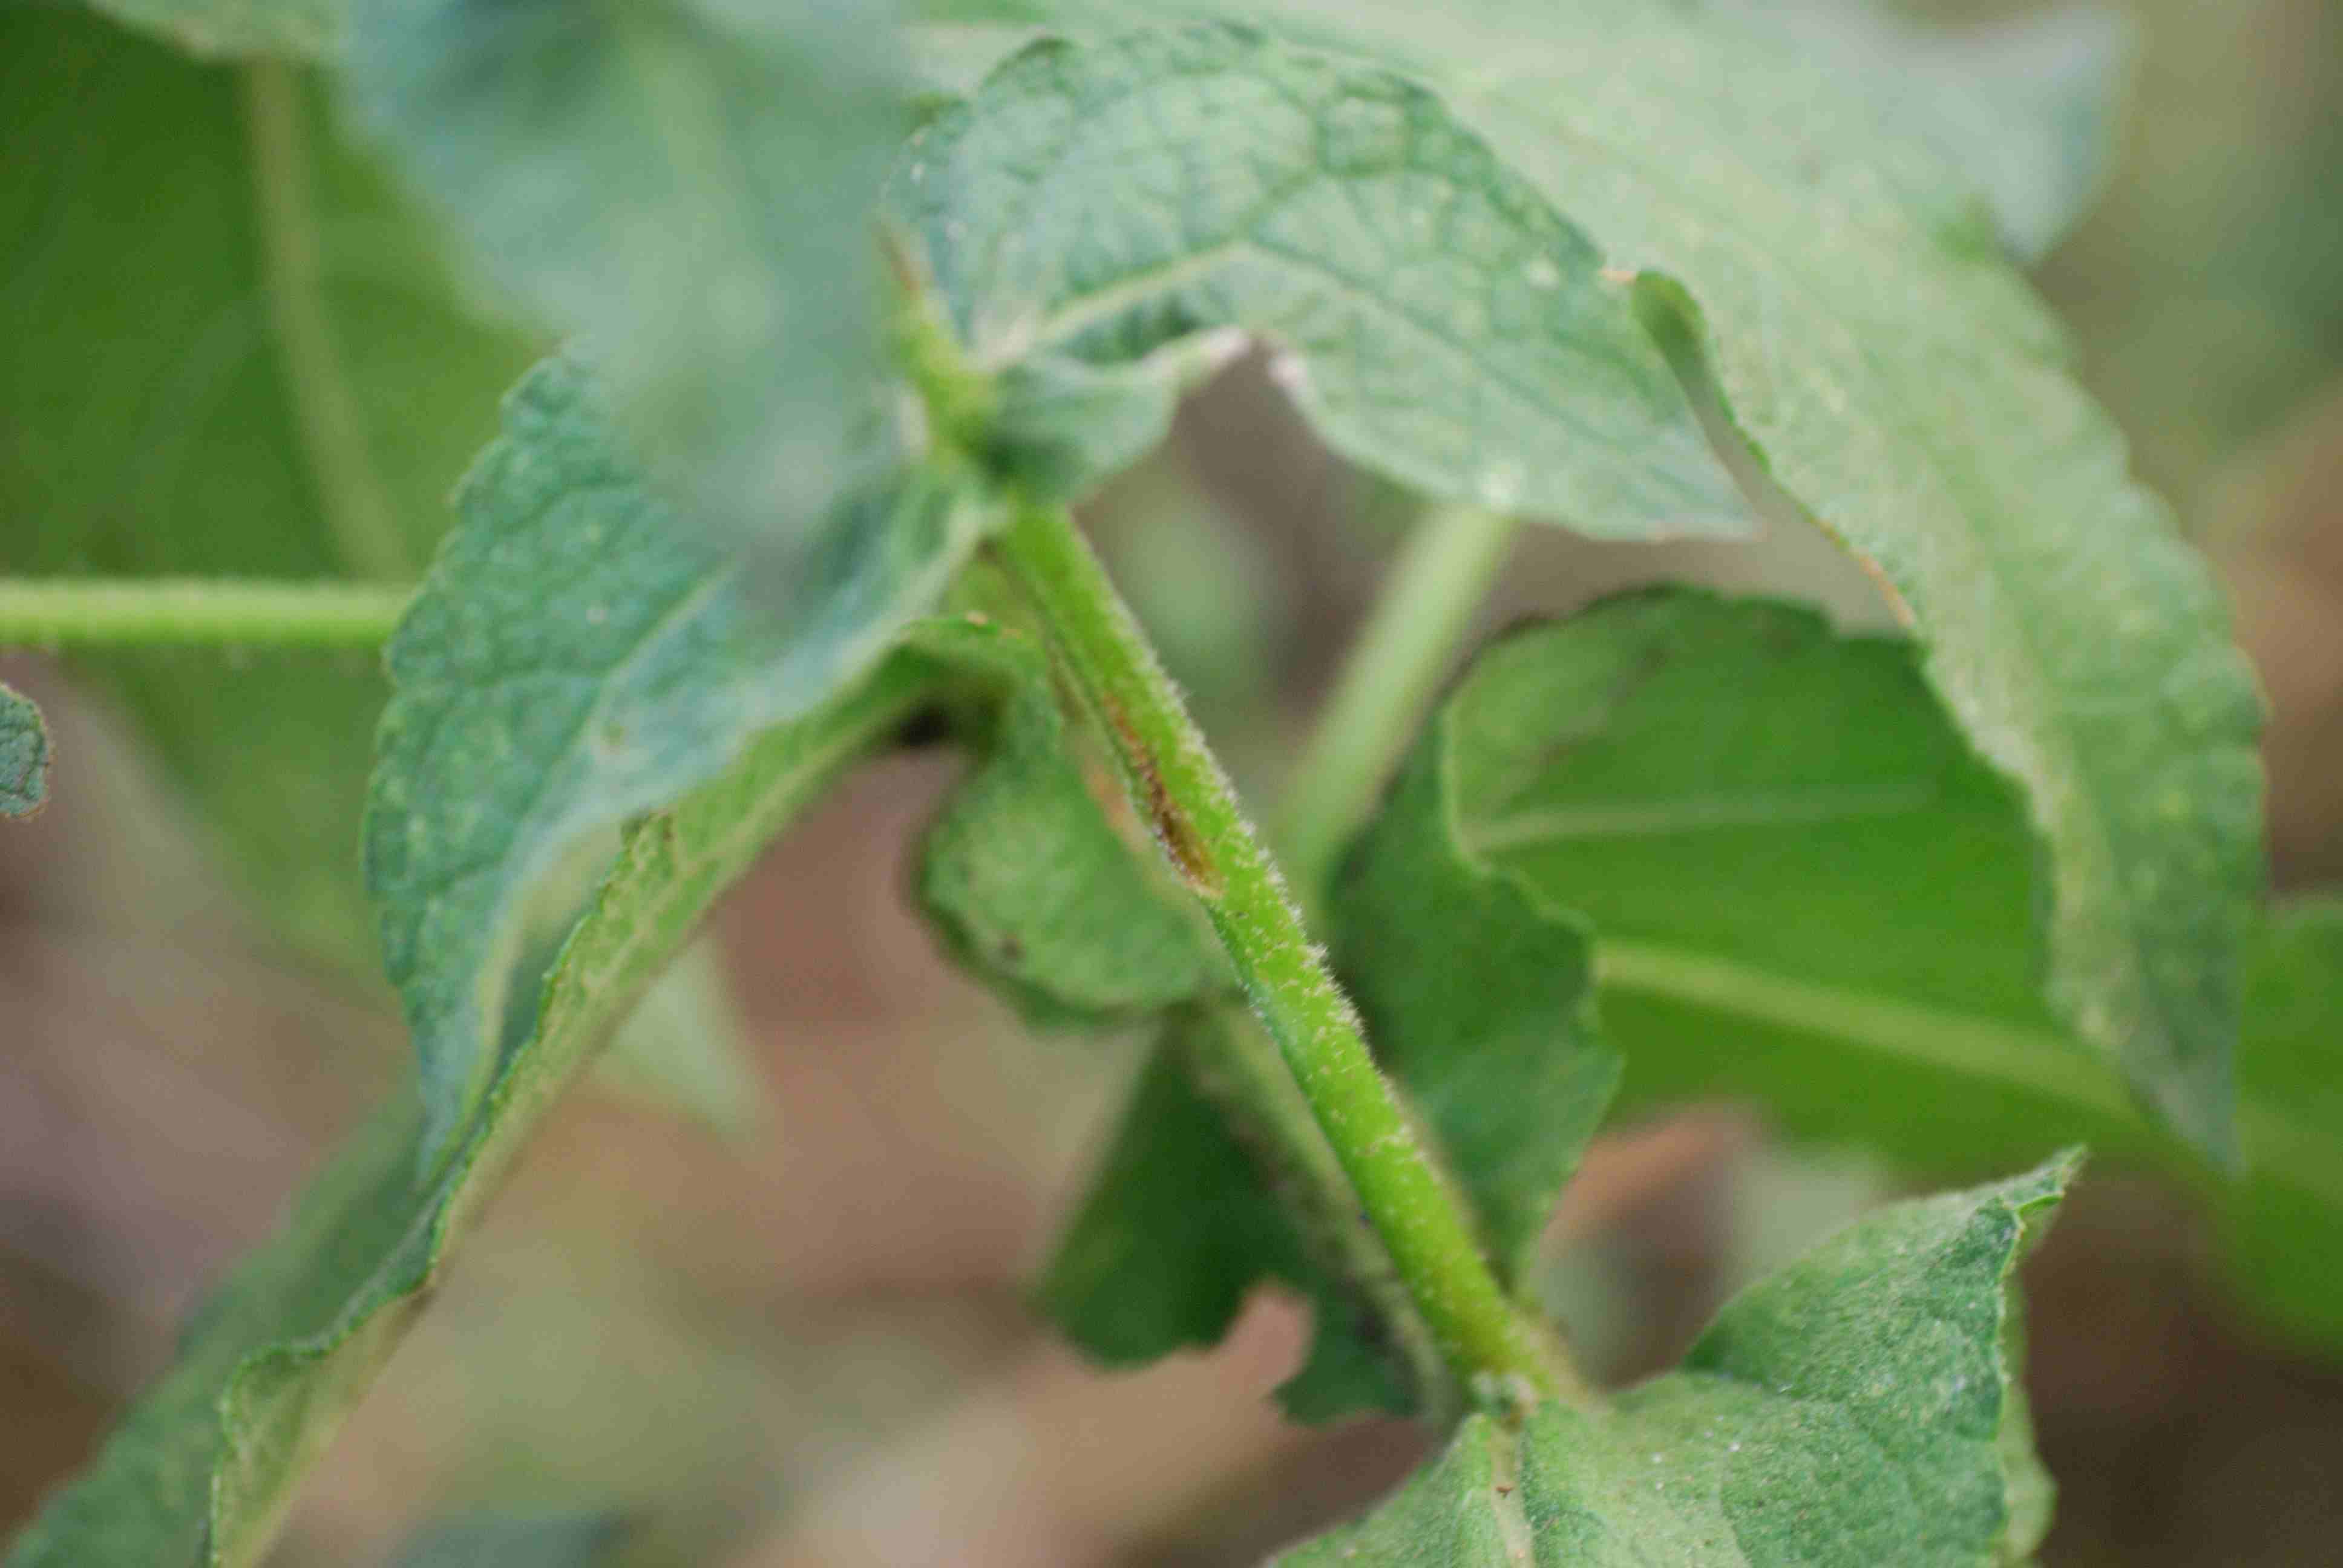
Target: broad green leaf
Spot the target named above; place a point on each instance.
(1901, 384)
(689, 183)
(575, 658)
(204, 1464)
(302, 28)
(513, 1541)
(1802, 888)
(23, 755)
(1098, 221)
(1845, 296)
(1032, 886)
(231, 351)
(1862, 1407)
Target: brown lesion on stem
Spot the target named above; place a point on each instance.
(1165, 819)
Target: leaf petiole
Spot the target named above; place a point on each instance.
(149, 611)
(1410, 638)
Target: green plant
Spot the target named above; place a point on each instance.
(805, 475)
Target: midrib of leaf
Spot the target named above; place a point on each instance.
(1689, 814)
(1082, 312)
(357, 505)
(1959, 1045)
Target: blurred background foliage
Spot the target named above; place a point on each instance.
(799, 1340)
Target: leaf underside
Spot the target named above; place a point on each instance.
(577, 657)
(1096, 219)
(1862, 1407)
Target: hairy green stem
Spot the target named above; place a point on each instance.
(137, 611)
(1489, 1345)
(1386, 685)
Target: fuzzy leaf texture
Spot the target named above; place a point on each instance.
(689, 183)
(1105, 223)
(1864, 1406)
(301, 385)
(203, 1465)
(1840, 287)
(576, 657)
(23, 755)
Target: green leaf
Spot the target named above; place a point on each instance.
(688, 182)
(2024, 109)
(2284, 1223)
(1802, 888)
(1104, 222)
(1186, 1216)
(1900, 383)
(1035, 888)
(1864, 1406)
(296, 403)
(513, 1541)
(576, 657)
(307, 29)
(1840, 289)
(1725, 789)
(202, 1469)
(23, 755)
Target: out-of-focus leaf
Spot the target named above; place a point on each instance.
(1863, 1406)
(2026, 108)
(23, 755)
(513, 1541)
(690, 183)
(202, 1469)
(1850, 303)
(2284, 1223)
(231, 352)
(1098, 219)
(577, 657)
(302, 28)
